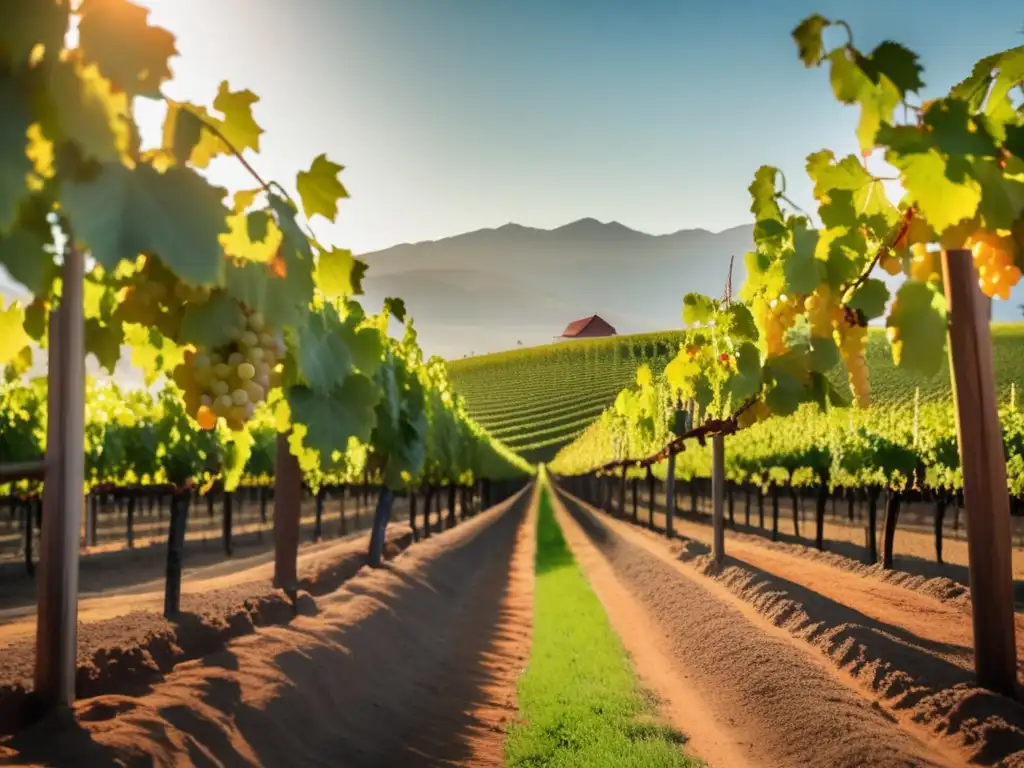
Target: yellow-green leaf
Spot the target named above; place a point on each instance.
(320, 188)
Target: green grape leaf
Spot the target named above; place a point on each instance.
(12, 331)
(785, 392)
(183, 129)
(837, 210)
(870, 298)
(331, 418)
(334, 273)
(104, 341)
(152, 352)
(741, 322)
(747, 381)
(975, 86)
(897, 63)
(877, 106)
(320, 188)
(703, 393)
(1002, 196)
(395, 307)
(868, 195)
(323, 357)
(848, 80)
(765, 203)
(83, 108)
(35, 320)
(1015, 140)
(1011, 74)
(697, 309)
(918, 320)
(19, 364)
(210, 324)
(823, 354)
(803, 272)
(257, 226)
(28, 23)
(117, 37)
(14, 163)
(954, 131)
(238, 448)
(238, 125)
(941, 200)
(22, 254)
(119, 213)
(365, 345)
(809, 44)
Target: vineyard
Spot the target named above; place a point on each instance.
(788, 533)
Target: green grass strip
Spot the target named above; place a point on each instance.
(579, 703)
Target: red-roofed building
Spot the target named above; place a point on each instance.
(587, 328)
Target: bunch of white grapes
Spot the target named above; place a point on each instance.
(230, 381)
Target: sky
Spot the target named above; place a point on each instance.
(454, 115)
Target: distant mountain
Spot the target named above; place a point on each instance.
(487, 290)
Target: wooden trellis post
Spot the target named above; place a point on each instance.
(718, 496)
(984, 465)
(57, 601)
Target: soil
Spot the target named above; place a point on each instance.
(413, 663)
(894, 663)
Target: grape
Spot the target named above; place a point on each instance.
(922, 262)
(266, 340)
(852, 347)
(263, 369)
(993, 258)
(255, 391)
(240, 397)
(235, 359)
(222, 405)
(249, 339)
(206, 400)
(256, 321)
(891, 264)
(222, 370)
(201, 361)
(220, 388)
(821, 311)
(246, 371)
(255, 355)
(206, 417)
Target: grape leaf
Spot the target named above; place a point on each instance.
(36, 317)
(877, 106)
(210, 323)
(183, 129)
(697, 309)
(703, 394)
(12, 331)
(942, 201)
(808, 39)
(28, 23)
(104, 341)
(83, 108)
(822, 354)
(765, 204)
(152, 352)
(320, 188)
(238, 125)
(1002, 196)
(116, 35)
(897, 63)
(121, 212)
(837, 209)
(1015, 140)
(870, 298)
(365, 345)
(742, 325)
(323, 357)
(954, 131)
(918, 322)
(23, 256)
(14, 163)
(332, 418)
(975, 86)
(747, 381)
(257, 226)
(785, 392)
(868, 195)
(803, 272)
(848, 80)
(334, 273)
(395, 307)
(1011, 74)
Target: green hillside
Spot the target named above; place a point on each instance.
(536, 400)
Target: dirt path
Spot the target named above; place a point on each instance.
(757, 696)
(410, 664)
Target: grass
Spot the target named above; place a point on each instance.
(541, 398)
(579, 702)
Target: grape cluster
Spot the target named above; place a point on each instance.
(924, 264)
(823, 311)
(230, 381)
(997, 272)
(853, 347)
(759, 411)
(773, 318)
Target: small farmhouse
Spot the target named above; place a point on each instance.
(587, 328)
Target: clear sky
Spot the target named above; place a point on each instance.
(452, 115)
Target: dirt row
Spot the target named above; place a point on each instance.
(792, 662)
(408, 664)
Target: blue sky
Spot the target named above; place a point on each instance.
(452, 115)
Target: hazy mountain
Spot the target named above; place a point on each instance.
(486, 290)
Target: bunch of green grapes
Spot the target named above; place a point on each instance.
(149, 298)
(773, 318)
(853, 337)
(231, 380)
(823, 311)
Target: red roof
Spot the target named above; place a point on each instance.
(588, 326)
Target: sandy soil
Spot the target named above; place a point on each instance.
(900, 648)
(410, 664)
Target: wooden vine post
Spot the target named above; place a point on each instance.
(670, 494)
(287, 516)
(984, 465)
(57, 623)
(718, 496)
